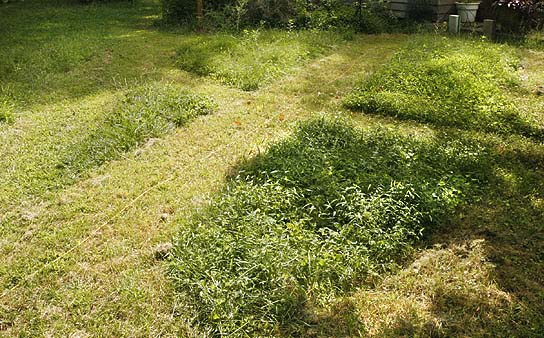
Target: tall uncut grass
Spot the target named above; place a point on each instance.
(143, 113)
(254, 58)
(314, 216)
(6, 110)
(448, 82)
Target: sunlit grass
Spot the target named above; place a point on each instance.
(448, 82)
(254, 58)
(79, 259)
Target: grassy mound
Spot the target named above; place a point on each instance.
(316, 215)
(253, 59)
(446, 82)
(143, 113)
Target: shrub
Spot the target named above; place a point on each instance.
(254, 58)
(101, 1)
(376, 20)
(144, 113)
(446, 82)
(317, 214)
(271, 13)
(531, 12)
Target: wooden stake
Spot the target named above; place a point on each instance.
(199, 9)
(489, 29)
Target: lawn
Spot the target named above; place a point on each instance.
(118, 137)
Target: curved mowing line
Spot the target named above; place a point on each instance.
(254, 59)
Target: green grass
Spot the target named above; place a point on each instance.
(51, 50)
(459, 83)
(317, 214)
(79, 231)
(142, 114)
(130, 120)
(6, 110)
(255, 58)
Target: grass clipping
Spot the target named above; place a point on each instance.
(447, 82)
(314, 216)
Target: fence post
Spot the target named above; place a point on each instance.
(489, 29)
(454, 24)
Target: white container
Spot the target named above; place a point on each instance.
(467, 11)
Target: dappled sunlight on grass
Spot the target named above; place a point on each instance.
(80, 255)
(254, 58)
(199, 156)
(447, 291)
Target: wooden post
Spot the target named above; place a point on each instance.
(489, 29)
(454, 24)
(199, 9)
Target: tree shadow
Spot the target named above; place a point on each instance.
(493, 241)
(506, 298)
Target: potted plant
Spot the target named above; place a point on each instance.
(467, 10)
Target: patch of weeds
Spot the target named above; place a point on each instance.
(535, 40)
(447, 82)
(315, 216)
(144, 113)
(254, 58)
(6, 110)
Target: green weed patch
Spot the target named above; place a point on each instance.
(143, 113)
(6, 110)
(447, 82)
(254, 58)
(315, 215)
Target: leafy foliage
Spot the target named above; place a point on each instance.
(272, 13)
(254, 58)
(530, 11)
(317, 214)
(446, 82)
(373, 16)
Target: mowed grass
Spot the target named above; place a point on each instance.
(330, 208)
(80, 258)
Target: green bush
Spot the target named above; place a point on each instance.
(315, 215)
(254, 58)
(447, 82)
(101, 1)
(376, 17)
(236, 14)
(144, 113)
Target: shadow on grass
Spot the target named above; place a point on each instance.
(481, 273)
(510, 220)
(338, 207)
(59, 51)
